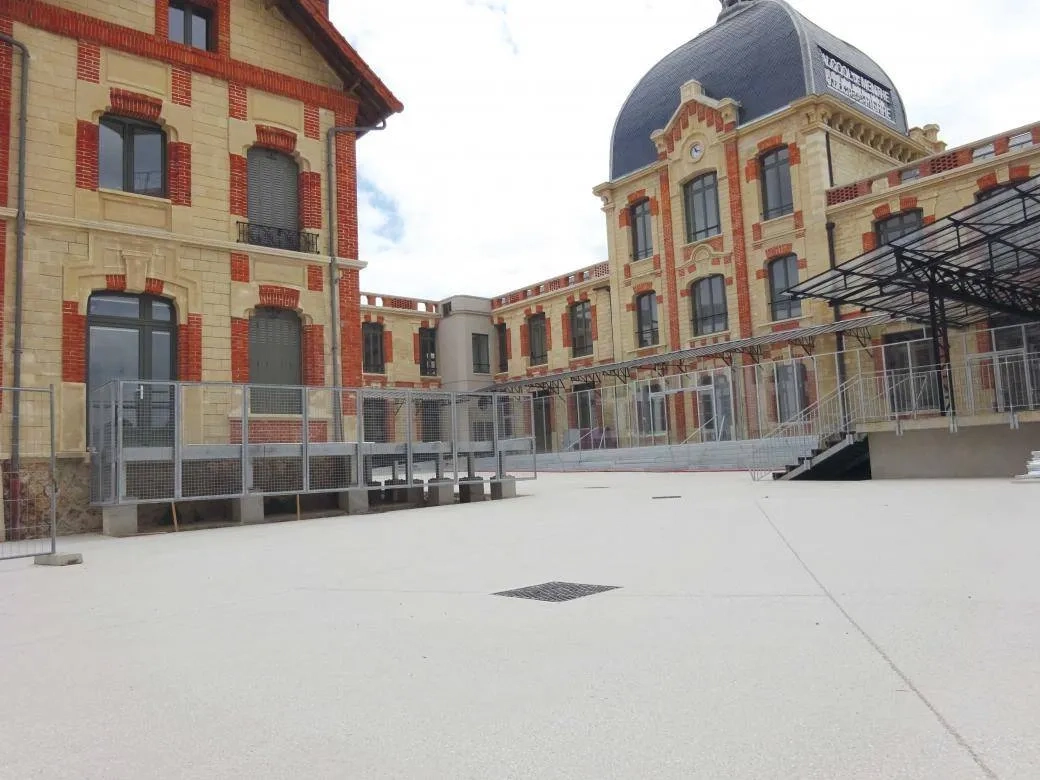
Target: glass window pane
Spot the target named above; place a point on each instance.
(176, 18)
(199, 31)
(162, 311)
(110, 158)
(148, 158)
(162, 356)
(115, 306)
(114, 354)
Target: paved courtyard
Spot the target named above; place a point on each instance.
(769, 630)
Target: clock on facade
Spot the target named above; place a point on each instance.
(696, 151)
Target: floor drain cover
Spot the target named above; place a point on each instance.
(665, 498)
(556, 591)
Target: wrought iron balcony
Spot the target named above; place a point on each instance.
(277, 238)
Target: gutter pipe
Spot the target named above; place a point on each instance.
(19, 277)
(330, 169)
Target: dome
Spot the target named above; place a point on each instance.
(763, 54)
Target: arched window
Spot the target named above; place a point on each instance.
(709, 305)
(274, 212)
(701, 201)
(131, 156)
(133, 338)
(783, 275)
(646, 319)
(777, 196)
(642, 231)
(274, 359)
(897, 226)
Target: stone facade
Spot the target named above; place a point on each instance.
(276, 76)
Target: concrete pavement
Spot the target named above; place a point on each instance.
(760, 630)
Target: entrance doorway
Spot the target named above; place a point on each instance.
(543, 422)
(911, 372)
(133, 338)
(715, 402)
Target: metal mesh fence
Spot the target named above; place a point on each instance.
(27, 511)
(157, 442)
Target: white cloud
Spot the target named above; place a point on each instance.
(509, 107)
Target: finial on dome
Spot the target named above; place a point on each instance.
(730, 6)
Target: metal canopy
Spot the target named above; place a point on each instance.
(980, 260)
(750, 346)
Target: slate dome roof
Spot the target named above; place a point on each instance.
(765, 55)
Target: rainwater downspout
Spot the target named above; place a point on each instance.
(19, 269)
(330, 170)
(839, 336)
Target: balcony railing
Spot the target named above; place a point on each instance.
(277, 238)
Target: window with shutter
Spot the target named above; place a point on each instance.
(273, 190)
(274, 359)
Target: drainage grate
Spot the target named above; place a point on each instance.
(664, 498)
(556, 591)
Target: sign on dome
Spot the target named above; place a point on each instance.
(863, 91)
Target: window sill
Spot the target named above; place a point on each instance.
(715, 238)
(776, 219)
(772, 325)
(130, 208)
(134, 196)
(723, 334)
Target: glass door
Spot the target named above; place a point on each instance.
(132, 338)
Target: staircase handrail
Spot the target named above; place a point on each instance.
(826, 417)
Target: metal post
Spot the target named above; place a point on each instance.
(534, 440)
(494, 436)
(409, 447)
(455, 435)
(54, 475)
(247, 482)
(178, 463)
(305, 442)
(121, 458)
(359, 466)
(934, 323)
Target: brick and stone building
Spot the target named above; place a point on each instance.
(176, 202)
(177, 227)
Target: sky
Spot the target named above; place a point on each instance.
(484, 183)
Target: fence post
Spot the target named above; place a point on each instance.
(305, 442)
(247, 481)
(534, 439)
(178, 444)
(409, 429)
(455, 435)
(54, 476)
(494, 435)
(359, 411)
(121, 478)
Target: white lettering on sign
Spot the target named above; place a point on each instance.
(856, 87)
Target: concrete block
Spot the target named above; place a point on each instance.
(395, 491)
(119, 521)
(354, 502)
(441, 492)
(416, 494)
(471, 489)
(248, 510)
(503, 488)
(58, 559)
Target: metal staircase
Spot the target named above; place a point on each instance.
(832, 448)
